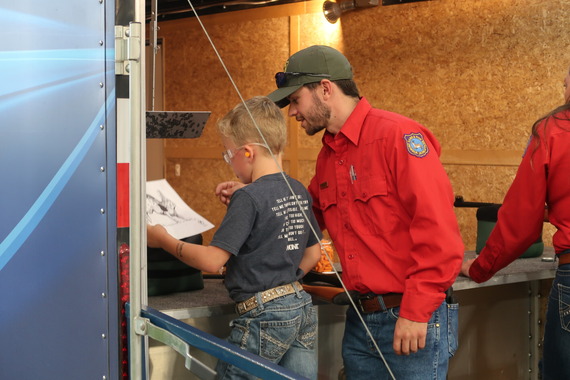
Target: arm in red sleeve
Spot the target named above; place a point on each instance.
(427, 198)
(520, 218)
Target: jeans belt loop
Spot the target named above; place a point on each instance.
(381, 302)
(371, 303)
(259, 301)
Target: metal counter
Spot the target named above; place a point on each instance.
(500, 326)
(214, 299)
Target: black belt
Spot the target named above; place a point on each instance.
(372, 303)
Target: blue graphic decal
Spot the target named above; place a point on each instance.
(32, 218)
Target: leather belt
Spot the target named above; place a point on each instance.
(563, 258)
(267, 295)
(371, 303)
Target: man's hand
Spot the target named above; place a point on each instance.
(466, 266)
(225, 190)
(409, 336)
(154, 235)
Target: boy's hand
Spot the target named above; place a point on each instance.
(154, 235)
(225, 190)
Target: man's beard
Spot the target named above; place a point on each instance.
(318, 118)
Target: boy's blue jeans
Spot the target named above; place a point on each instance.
(556, 354)
(362, 361)
(283, 330)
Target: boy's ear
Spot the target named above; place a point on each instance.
(248, 151)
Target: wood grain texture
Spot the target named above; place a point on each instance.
(476, 73)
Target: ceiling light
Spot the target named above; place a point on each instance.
(333, 10)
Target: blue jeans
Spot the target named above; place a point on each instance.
(362, 361)
(283, 331)
(556, 354)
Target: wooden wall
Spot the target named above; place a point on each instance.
(475, 72)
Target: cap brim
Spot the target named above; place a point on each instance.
(280, 95)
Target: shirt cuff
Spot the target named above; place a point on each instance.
(420, 307)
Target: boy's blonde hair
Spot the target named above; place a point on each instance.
(237, 125)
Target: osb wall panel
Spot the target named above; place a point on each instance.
(482, 184)
(477, 73)
(196, 80)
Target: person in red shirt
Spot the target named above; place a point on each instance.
(543, 178)
(383, 195)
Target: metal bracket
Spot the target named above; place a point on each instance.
(143, 326)
(127, 46)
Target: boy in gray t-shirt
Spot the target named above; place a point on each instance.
(266, 243)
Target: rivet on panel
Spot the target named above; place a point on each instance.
(102, 253)
(100, 43)
(101, 84)
(103, 295)
(103, 336)
(101, 127)
(102, 169)
(102, 211)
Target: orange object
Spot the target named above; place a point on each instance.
(324, 264)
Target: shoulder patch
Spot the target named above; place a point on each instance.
(416, 145)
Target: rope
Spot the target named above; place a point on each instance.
(291, 189)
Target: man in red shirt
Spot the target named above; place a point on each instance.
(383, 195)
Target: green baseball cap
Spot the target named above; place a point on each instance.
(309, 65)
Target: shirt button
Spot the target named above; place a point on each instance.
(343, 193)
(363, 195)
(351, 257)
(340, 162)
(347, 226)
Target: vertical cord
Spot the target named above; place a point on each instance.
(290, 189)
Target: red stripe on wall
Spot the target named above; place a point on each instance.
(123, 192)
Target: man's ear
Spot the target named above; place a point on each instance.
(326, 88)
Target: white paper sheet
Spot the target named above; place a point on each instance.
(164, 206)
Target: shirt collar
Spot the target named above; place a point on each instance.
(352, 126)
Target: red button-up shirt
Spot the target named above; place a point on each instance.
(383, 195)
(543, 177)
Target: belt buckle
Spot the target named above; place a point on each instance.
(247, 305)
(366, 297)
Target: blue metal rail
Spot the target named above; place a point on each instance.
(217, 347)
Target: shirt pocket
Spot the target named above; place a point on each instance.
(372, 205)
(327, 198)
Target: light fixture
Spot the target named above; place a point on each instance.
(333, 10)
